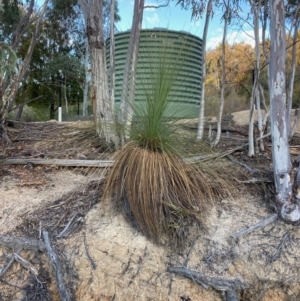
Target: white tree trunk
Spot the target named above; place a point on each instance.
(223, 80)
(293, 72)
(103, 107)
(128, 85)
(255, 95)
(202, 100)
(112, 51)
(86, 81)
(279, 129)
(64, 87)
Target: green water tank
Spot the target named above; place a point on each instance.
(178, 48)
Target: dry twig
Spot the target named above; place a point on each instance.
(219, 284)
(267, 221)
(88, 253)
(21, 243)
(63, 292)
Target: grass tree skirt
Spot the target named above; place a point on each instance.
(160, 193)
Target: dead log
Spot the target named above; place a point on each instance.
(59, 162)
(21, 243)
(62, 290)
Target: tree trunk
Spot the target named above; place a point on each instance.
(223, 80)
(87, 81)
(112, 52)
(11, 89)
(103, 107)
(279, 129)
(64, 88)
(128, 85)
(293, 72)
(255, 95)
(202, 100)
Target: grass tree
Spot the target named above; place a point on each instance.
(150, 178)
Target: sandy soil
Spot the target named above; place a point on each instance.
(106, 258)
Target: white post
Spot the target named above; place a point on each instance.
(59, 114)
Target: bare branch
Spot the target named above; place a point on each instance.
(157, 6)
(269, 220)
(63, 293)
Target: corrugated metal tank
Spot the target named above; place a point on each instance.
(177, 48)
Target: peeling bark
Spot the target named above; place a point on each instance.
(288, 210)
(103, 107)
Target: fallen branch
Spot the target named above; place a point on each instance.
(194, 159)
(248, 168)
(229, 286)
(26, 264)
(9, 264)
(22, 243)
(88, 253)
(70, 228)
(62, 290)
(280, 247)
(60, 162)
(267, 221)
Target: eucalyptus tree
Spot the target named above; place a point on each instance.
(55, 68)
(255, 9)
(257, 19)
(227, 18)
(12, 33)
(128, 84)
(200, 8)
(293, 17)
(102, 103)
(288, 205)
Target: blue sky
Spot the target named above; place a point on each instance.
(173, 17)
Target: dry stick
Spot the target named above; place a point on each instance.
(60, 162)
(88, 253)
(216, 283)
(105, 163)
(26, 264)
(63, 232)
(194, 159)
(249, 169)
(3, 271)
(252, 171)
(185, 264)
(63, 293)
(21, 243)
(280, 247)
(267, 221)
